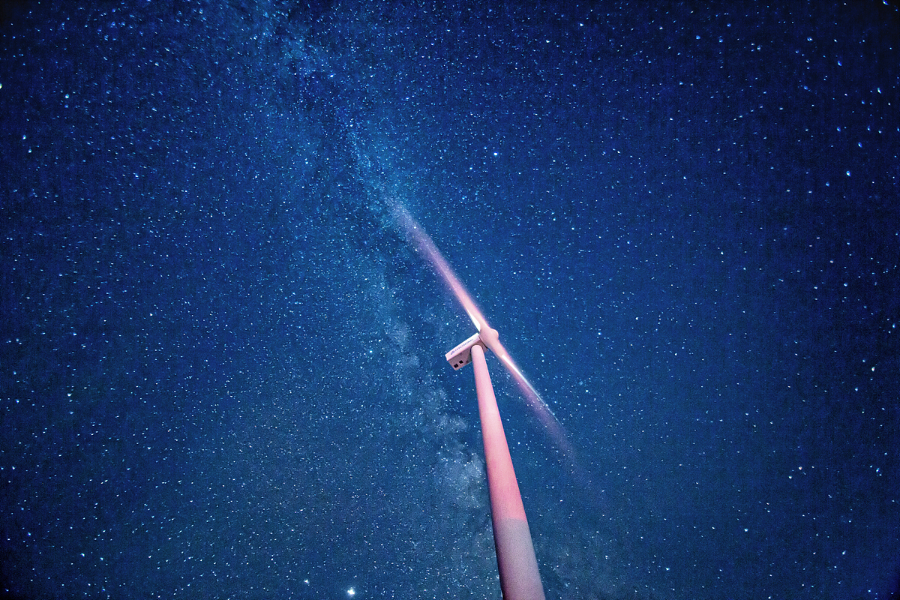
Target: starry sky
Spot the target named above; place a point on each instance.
(222, 367)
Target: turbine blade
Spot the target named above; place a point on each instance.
(535, 402)
(425, 246)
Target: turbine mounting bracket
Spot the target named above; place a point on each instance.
(462, 354)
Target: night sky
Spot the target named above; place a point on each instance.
(222, 367)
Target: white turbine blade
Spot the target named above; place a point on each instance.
(424, 244)
(531, 395)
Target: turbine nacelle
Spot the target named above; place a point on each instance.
(462, 355)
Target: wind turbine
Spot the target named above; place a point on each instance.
(516, 561)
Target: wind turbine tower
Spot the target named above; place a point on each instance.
(516, 561)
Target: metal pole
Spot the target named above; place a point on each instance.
(519, 576)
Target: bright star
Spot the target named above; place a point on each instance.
(351, 592)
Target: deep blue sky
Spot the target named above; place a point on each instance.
(221, 364)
